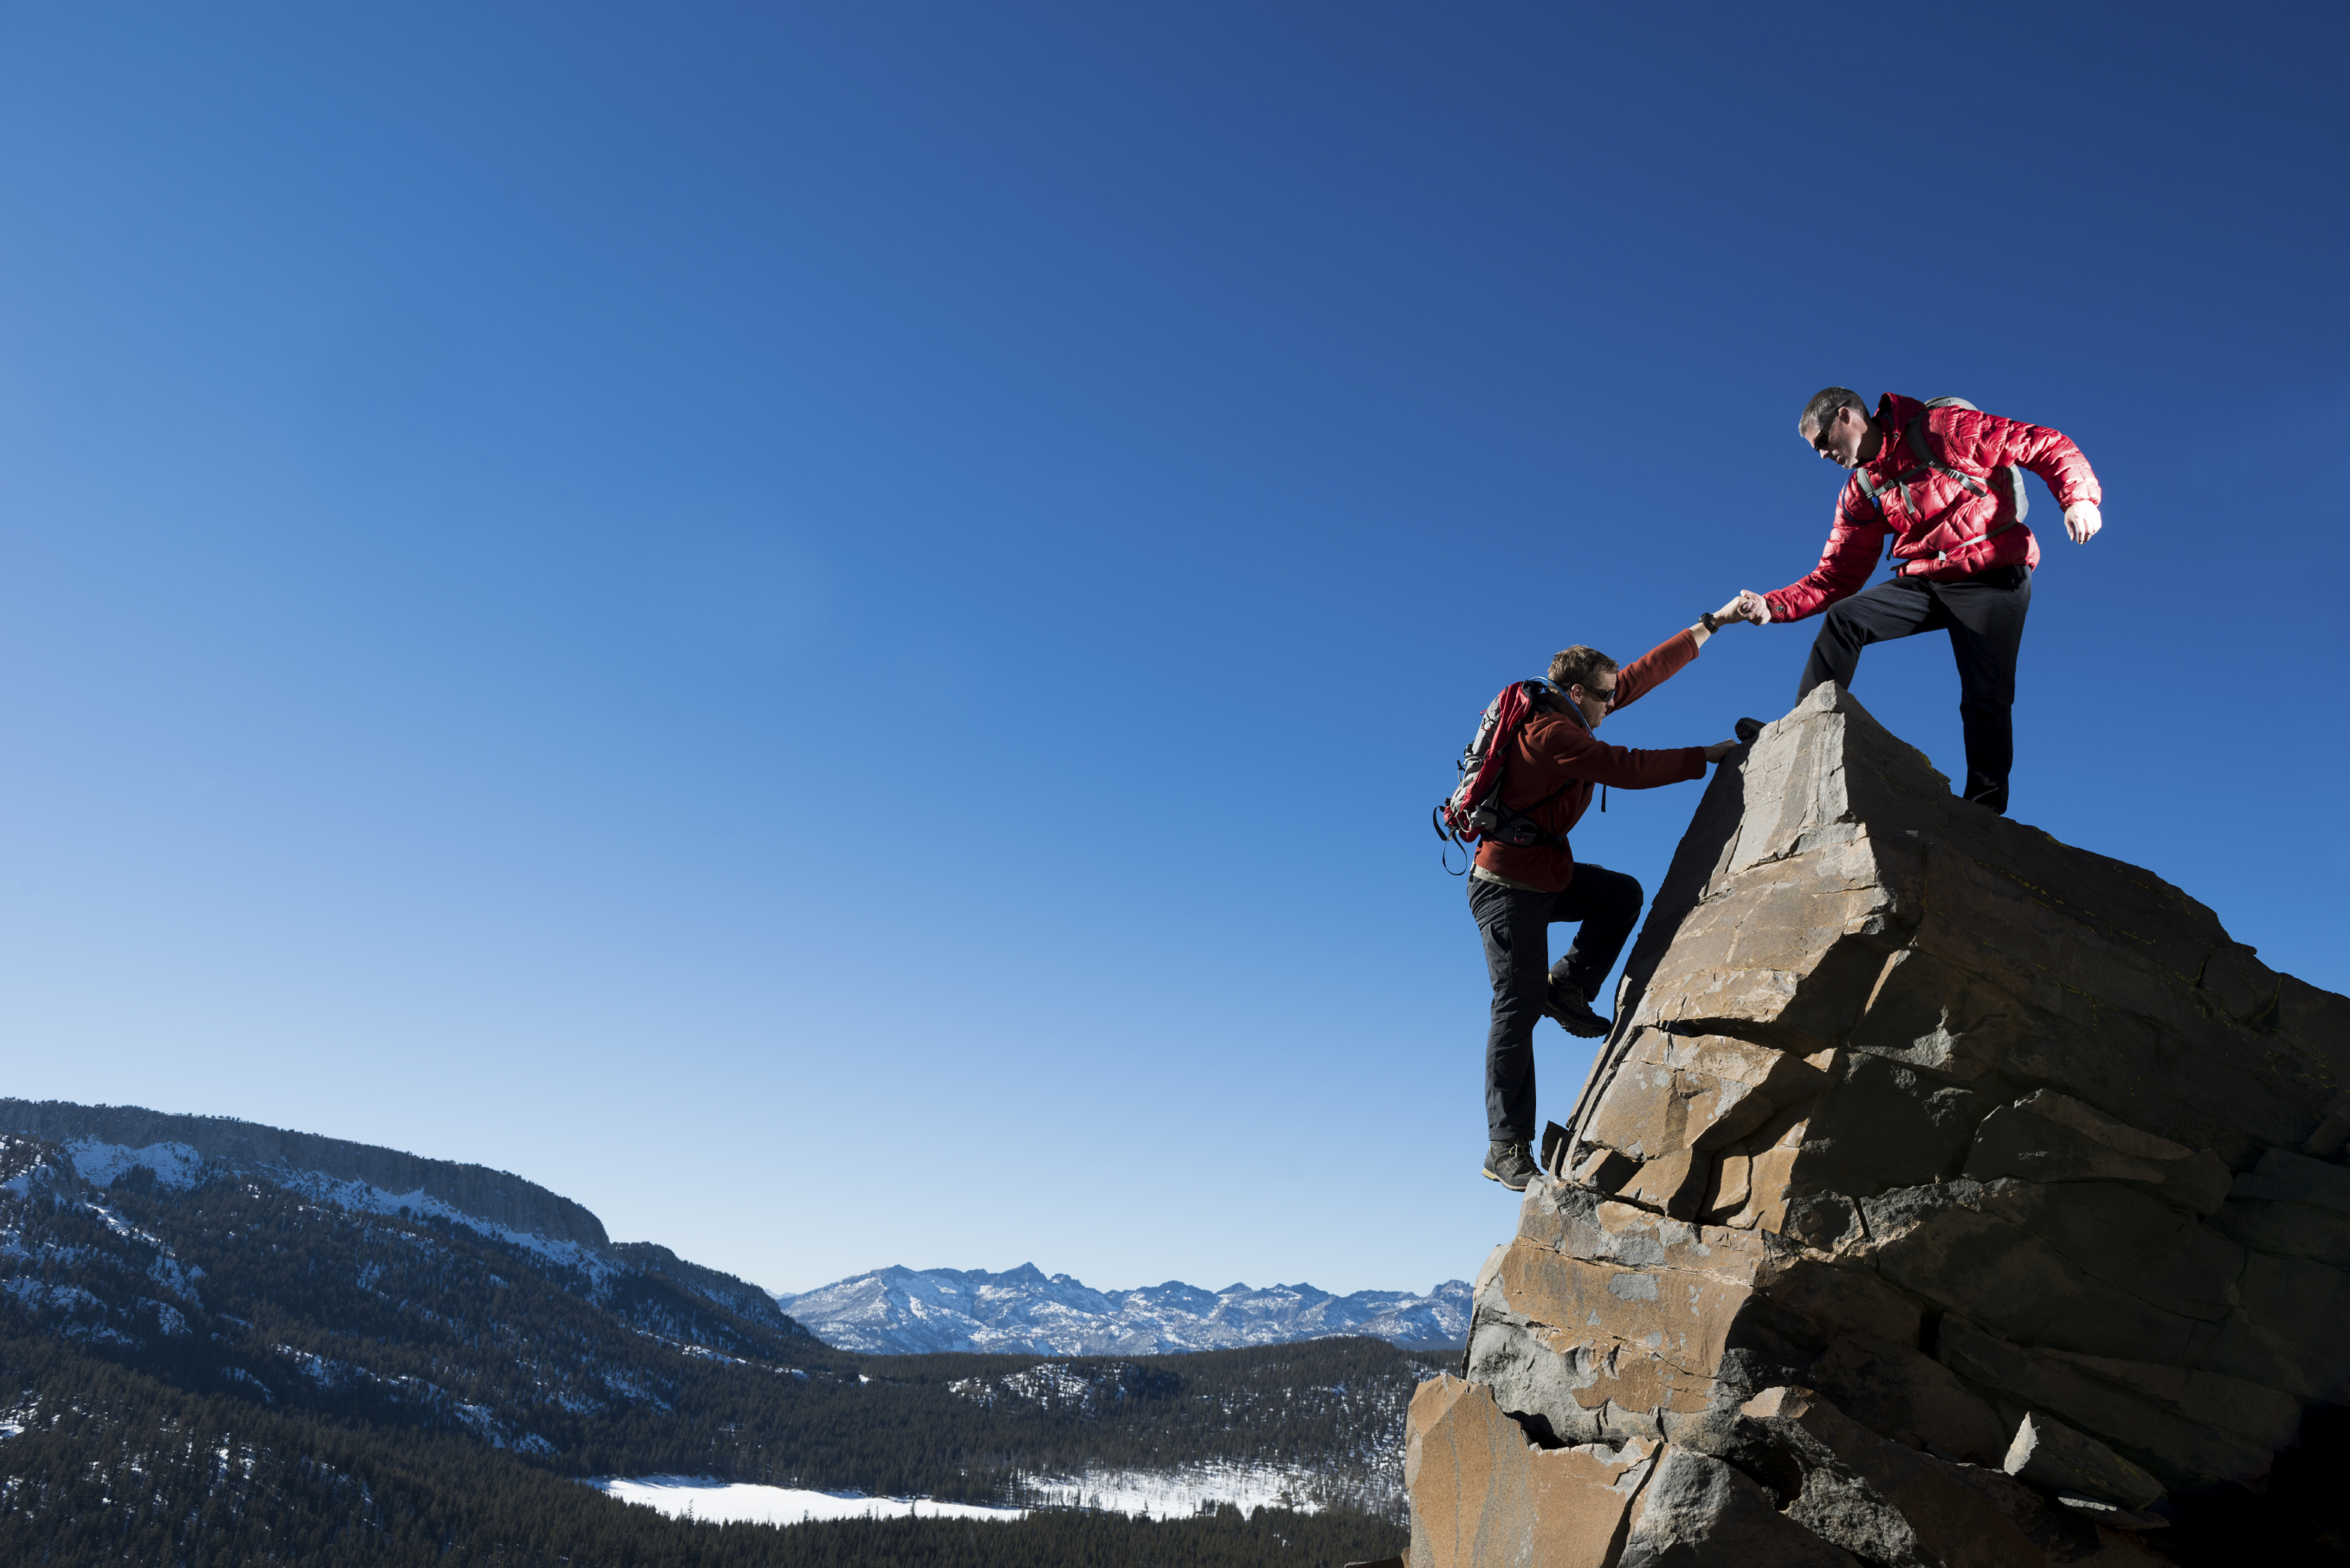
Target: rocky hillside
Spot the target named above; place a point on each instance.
(474, 1192)
(1946, 1195)
(905, 1311)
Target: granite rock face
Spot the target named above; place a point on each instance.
(1926, 1150)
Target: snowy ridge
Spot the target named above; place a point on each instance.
(179, 1167)
(360, 1196)
(496, 1196)
(901, 1311)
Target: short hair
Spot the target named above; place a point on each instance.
(1824, 406)
(1576, 666)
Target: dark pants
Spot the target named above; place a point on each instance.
(1984, 615)
(1516, 928)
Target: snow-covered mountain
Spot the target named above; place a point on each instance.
(901, 1311)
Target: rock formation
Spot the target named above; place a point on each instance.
(1945, 1195)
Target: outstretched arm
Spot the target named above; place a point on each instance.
(1734, 610)
(1854, 536)
(1990, 441)
(1656, 667)
(1579, 755)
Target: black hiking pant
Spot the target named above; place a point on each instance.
(1984, 615)
(1516, 928)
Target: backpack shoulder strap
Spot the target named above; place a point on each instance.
(1922, 461)
(1914, 438)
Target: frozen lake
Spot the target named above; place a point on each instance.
(741, 1502)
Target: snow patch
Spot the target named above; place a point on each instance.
(1177, 1493)
(175, 1165)
(711, 1501)
(35, 1295)
(628, 1386)
(362, 1198)
(181, 1281)
(482, 1422)
(123, 1228)
(319, 1369)
(1048, 1385)
(241, 1375)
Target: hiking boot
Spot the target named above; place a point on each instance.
(1573, 1010)
(1511, 1165)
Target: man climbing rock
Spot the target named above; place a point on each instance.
(1941, 479)
(1517, 893)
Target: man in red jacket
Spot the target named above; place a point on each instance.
(1941, 483)
(1517, 893)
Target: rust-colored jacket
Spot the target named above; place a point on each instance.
(1553, 749)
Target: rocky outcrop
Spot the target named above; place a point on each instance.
(491, 1196)
(1945, 1195)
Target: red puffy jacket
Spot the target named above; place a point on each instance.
(1942, 529)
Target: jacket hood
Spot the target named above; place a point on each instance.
(1894, 413)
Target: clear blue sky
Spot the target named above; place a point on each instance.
(831, 629)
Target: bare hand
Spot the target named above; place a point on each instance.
(1750, 606)
(1735, 611)
(1719, 749)
(2082, 520)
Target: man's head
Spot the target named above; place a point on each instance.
(1589, 678)
(1837, 425)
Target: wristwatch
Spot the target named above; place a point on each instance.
(1709, 620)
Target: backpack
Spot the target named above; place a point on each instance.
(2009, 479)
(1474, 809)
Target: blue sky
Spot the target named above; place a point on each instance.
(831, 629)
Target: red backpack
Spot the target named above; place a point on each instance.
(1474, 809)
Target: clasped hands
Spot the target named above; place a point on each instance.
(1748, 605)
(2082, 520)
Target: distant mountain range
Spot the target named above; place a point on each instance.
(901, 1311)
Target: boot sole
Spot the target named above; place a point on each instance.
(1490, 1177)
(1580, 1030)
